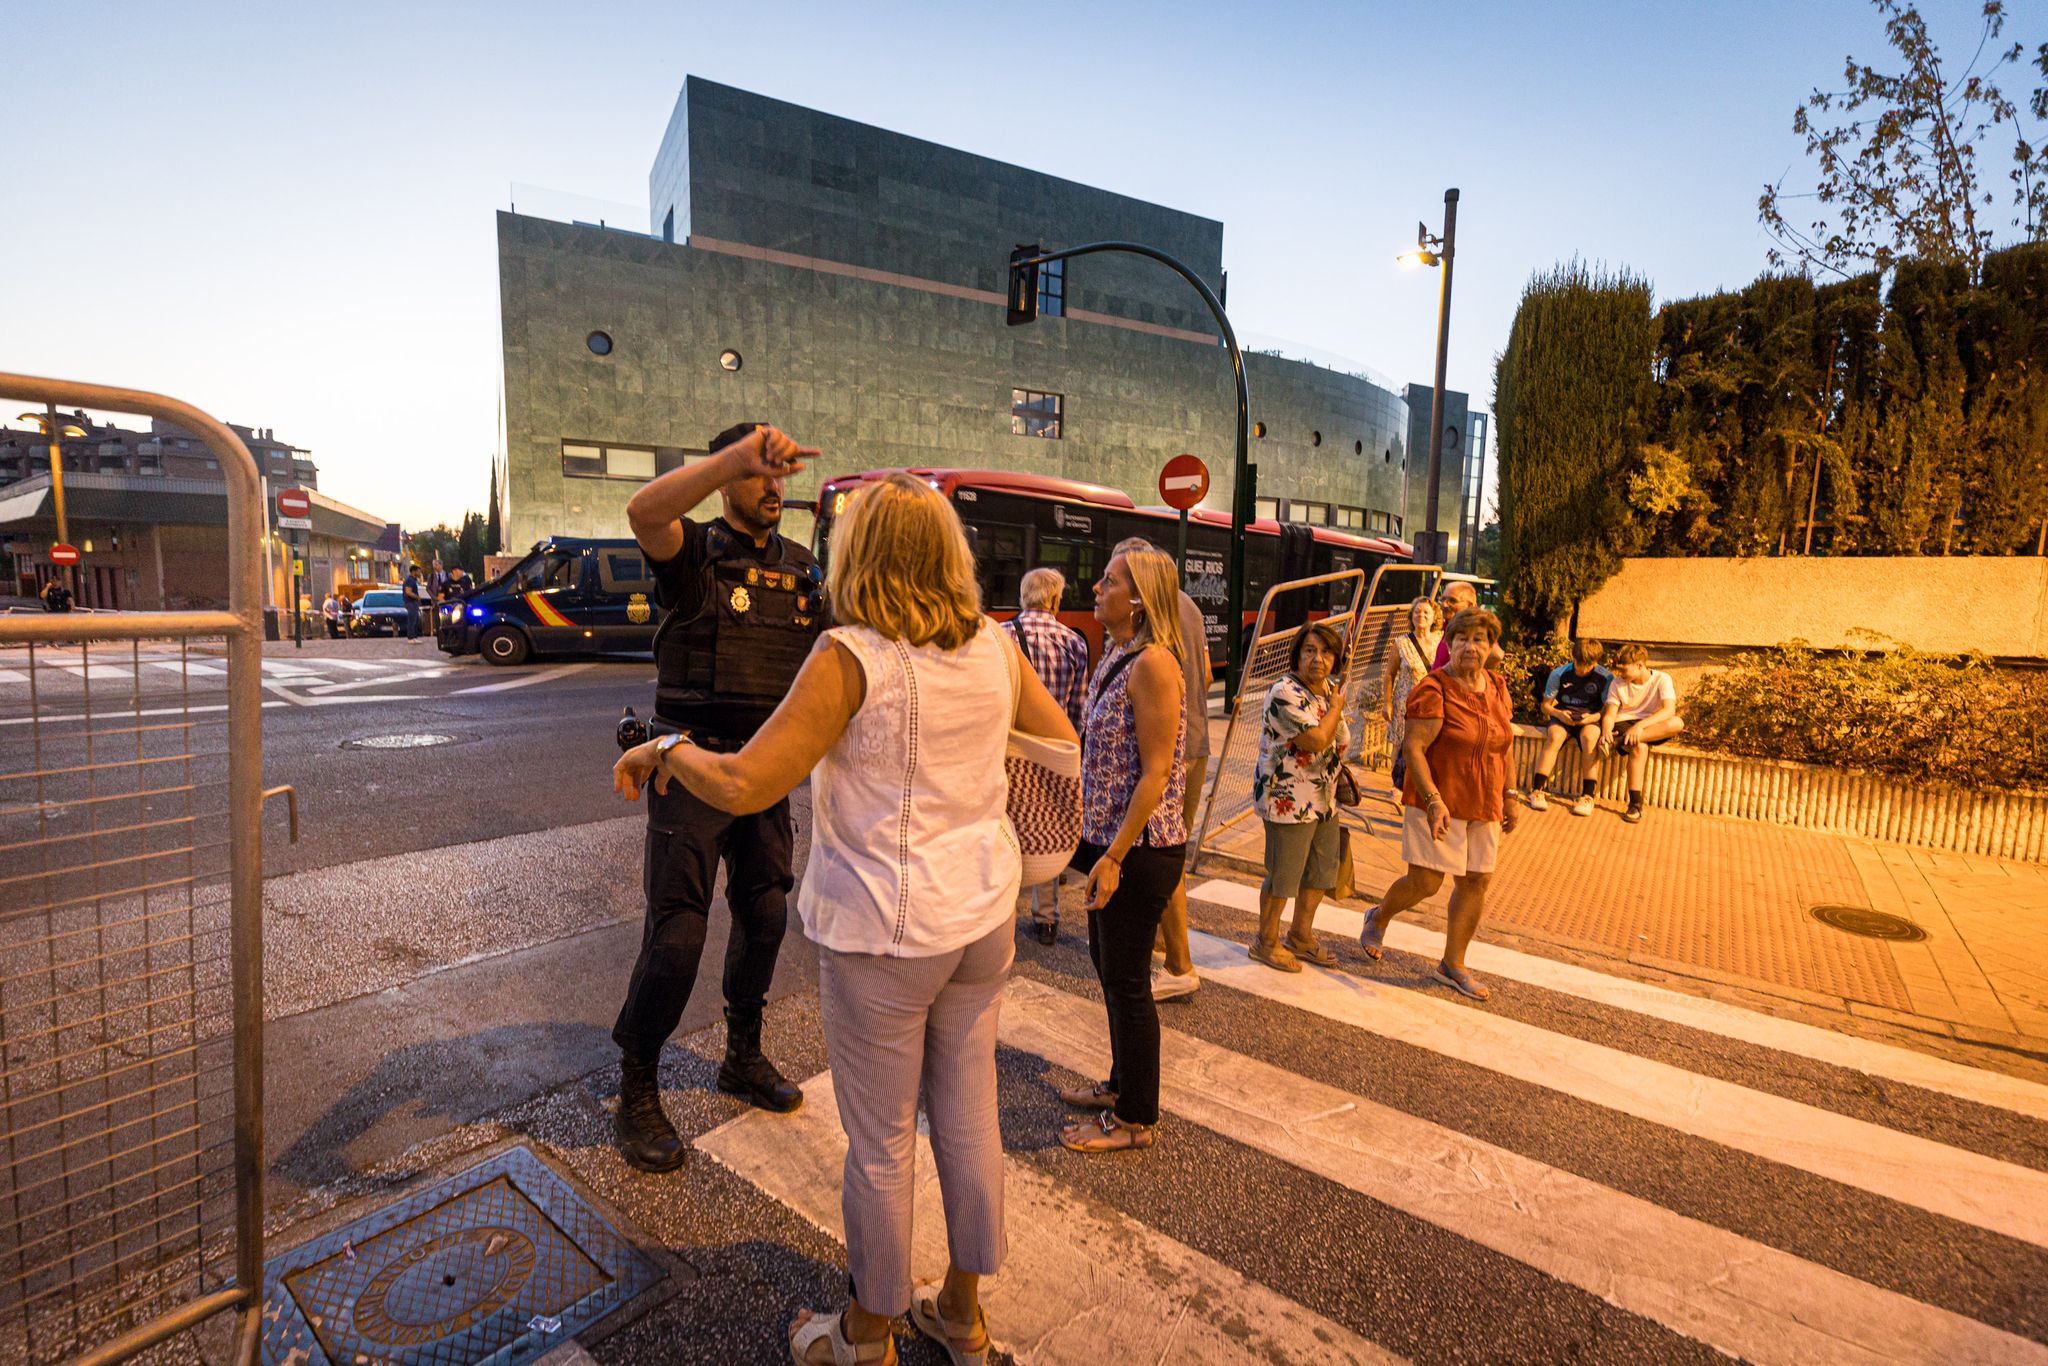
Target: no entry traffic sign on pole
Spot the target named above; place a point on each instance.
(61, 553)
(1183, 482)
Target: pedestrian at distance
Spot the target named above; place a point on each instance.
(413, 593)
(743, 605)
(1641, 713)
(1414, 654)
(1174, 977)
(1574, 697)
(1058, 654)
(1133, 834)
(1303, 734)
(56, 595)
(330, 612)
(1456, 804)
(1458, 595)
(903, 710)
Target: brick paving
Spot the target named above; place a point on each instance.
(1729, 901)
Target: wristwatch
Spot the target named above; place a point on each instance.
(668, 742)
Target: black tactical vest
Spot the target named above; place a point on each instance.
(722, 668)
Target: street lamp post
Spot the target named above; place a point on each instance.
(55, 432)
(1432, 546)
(1024, 264)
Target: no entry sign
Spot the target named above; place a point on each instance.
(1184, 482)
(293, 503)
(61, 553)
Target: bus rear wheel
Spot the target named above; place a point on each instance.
(504, 645)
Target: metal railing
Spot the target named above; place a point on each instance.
(131, 967)
(1372, 616)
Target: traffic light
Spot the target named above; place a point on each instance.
(1024, 285)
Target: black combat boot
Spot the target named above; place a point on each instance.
(745, 1073)
(646, 1139)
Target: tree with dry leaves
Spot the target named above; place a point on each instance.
(1898, 157)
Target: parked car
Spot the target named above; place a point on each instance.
(569, 594)
(379, 612)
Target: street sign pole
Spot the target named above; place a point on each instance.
(298, 617)
(1180, 552)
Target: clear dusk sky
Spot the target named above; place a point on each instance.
(283, 211)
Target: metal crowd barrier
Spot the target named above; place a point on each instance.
(131, 964)
(1227, 824)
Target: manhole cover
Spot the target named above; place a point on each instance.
(1861, 920)
(498, 1263)
(413, 740)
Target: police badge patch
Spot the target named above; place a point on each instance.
(637, 609)
(742, 601)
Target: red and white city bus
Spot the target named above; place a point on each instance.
(1021, 521)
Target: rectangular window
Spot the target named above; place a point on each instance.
(1266, 507)
(622, 572)
(588, 460)
(1052, 290)
(1035, 414)
(1351, 518)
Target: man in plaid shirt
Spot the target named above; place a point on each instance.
(1059, 656)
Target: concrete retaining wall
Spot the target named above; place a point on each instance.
(1947, 604)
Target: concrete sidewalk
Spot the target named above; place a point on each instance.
(1726, 903)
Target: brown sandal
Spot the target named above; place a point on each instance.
(1106, 1134)
(1312, 952)
(1274, 955)
(1096, 1097)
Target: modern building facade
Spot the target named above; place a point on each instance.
(848, 284)
(148, 512)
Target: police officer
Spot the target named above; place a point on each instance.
(744, 605)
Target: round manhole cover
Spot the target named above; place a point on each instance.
(411, 740)
(1861, 920)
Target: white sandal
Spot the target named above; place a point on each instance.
(924, 1312)
(832, 1329)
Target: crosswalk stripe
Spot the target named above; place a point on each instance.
(1076, 1276)
(1735, 1294)
(2000, 1196)
(97, 672)
(1675, 1007)
(12, 676)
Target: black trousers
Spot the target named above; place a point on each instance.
(686, 839)
(1120, 943)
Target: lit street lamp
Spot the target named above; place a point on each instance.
(55, 432)
(1433, 546)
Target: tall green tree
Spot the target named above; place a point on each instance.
(469, 545)
(494, 539)
(1572, 394)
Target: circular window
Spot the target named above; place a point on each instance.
(600, 343)
(729, 359)
(1358, 448)
(1388, 458)
(1315, 438)
(1259, 430)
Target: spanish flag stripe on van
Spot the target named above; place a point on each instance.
(545, 610)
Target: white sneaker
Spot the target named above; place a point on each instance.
(1168, 985)
(1538, 801)
(1583, 807)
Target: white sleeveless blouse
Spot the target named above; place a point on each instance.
(912, 853)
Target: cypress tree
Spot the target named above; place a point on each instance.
(1572, 395)
(493, 543)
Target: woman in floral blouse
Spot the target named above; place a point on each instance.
(1294, 790)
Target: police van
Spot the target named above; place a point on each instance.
(569, 595)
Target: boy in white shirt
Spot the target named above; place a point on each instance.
(1641, 711)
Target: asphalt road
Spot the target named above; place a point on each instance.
(530, 757)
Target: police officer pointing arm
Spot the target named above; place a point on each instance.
(742, 606)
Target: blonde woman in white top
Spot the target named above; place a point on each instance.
(903, 710)
(1408, 664)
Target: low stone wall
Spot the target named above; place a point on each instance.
(1930, 602)
(2004, 824)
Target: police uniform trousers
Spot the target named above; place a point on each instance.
(686, 839)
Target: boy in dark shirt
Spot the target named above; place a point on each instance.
(1572, 700)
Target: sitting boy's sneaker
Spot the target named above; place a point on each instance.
(1634, 813)
(1539, 801)
(1583, 807)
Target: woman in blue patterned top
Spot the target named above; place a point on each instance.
(1133, 835)
(1294, 790)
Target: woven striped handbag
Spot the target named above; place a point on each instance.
(1045, 793)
